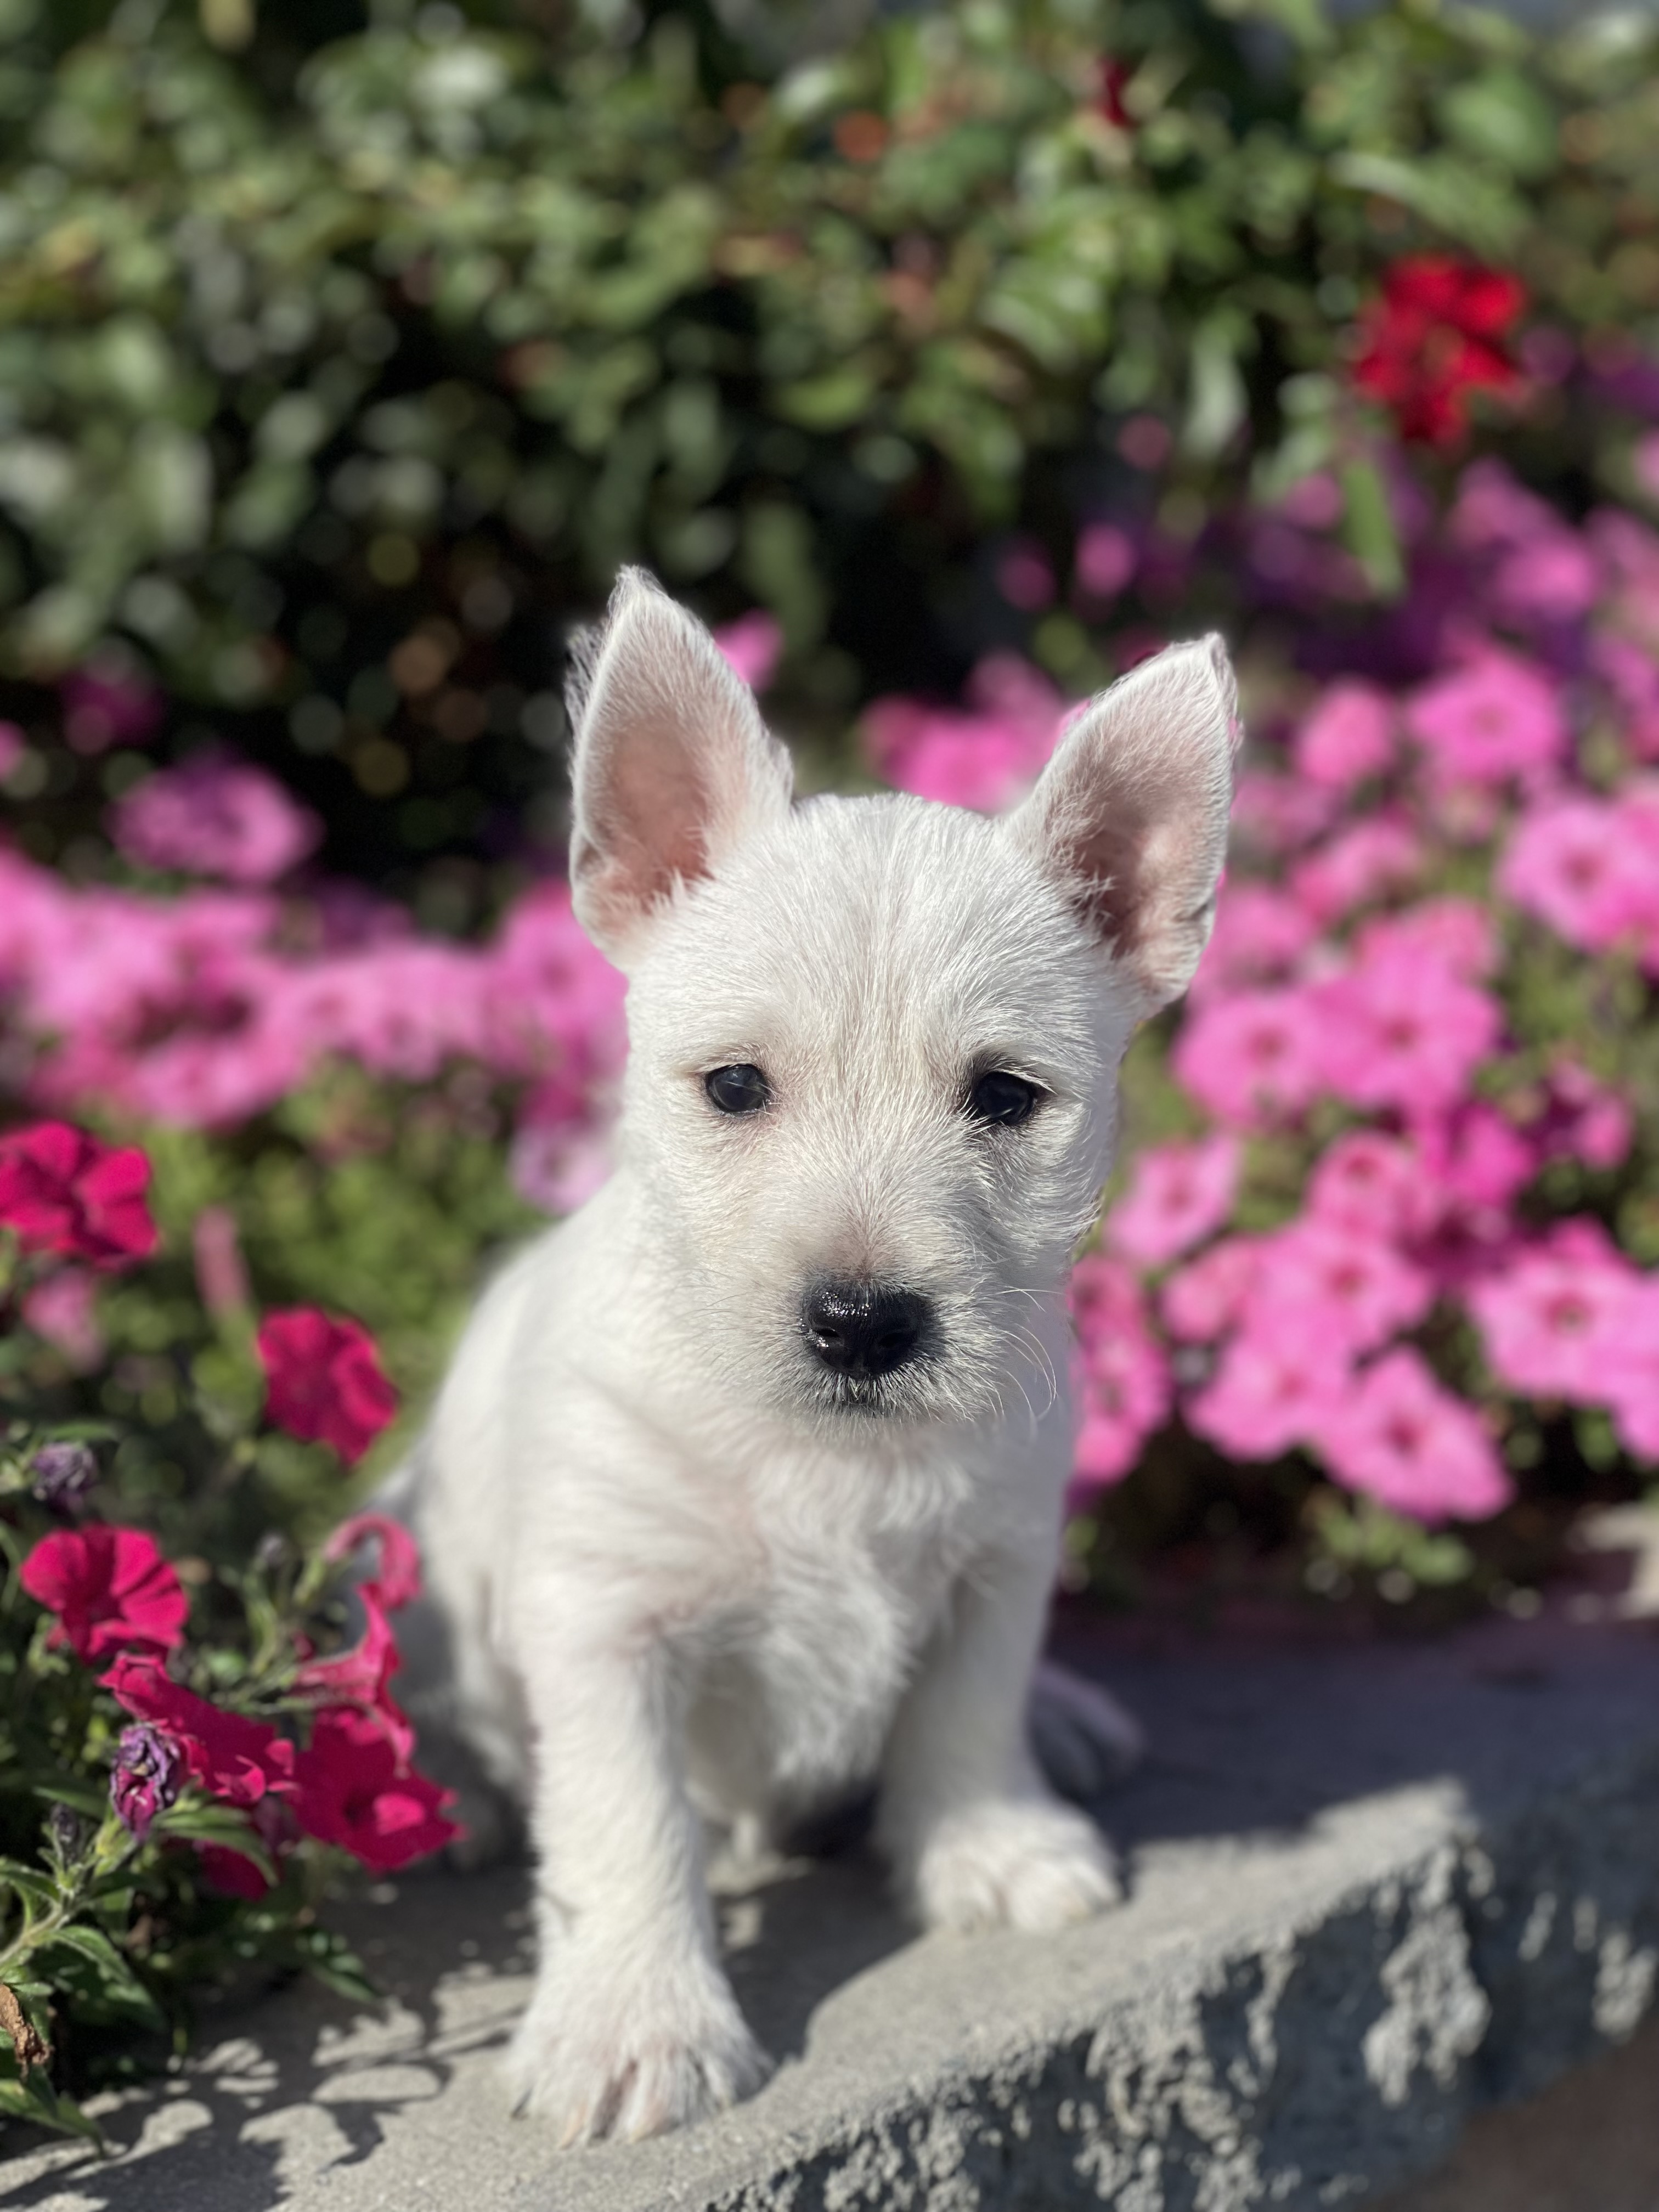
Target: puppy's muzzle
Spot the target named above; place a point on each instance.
(863, 1330)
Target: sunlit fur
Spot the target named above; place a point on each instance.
(697, 1573)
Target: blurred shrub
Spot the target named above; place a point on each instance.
(342, 361)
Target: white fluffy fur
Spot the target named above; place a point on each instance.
(682, 1580)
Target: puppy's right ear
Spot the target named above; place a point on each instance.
(674, 766)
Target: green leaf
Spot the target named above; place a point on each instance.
(199, 1820)
(1503, 116)
(37, 2100)
(1368, 528)
(113, 1981)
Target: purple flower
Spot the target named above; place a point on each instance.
(64, 1475)
(150, 1767)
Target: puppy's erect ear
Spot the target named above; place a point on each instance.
(1131, 814)
(674, 766)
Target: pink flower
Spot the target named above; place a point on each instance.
(1124, 1389)
(1399, 1437)
(1583, 1119)
(1479, 1159)
(1273, 1388)
(1551, 1320)
(213, 816)
(1496, 718)
(1458, 933)
(1405, 1033)
(63, 1191)
(111, 1589)
(752, 646)
(1253, 1058)
(1348, 737)
(325, 1381)
(1177, 1195)
(1585, 868)
(63, 1311)
(1362, 864)
(1279, 814)
(1260, 935)
(396, 1580)
(1103, 560)
(1204, 1299)
(982, 759)
(1316, 1276)
(1375, 1185)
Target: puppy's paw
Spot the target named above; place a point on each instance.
(1024, 1863)
(1084, 1741)
(599, 2063)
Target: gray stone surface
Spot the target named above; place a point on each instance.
(1591, 2143)
(1373, 1891)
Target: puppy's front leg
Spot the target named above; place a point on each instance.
(976, 1837)
(632, 2027)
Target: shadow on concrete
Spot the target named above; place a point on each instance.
(1255, 1742)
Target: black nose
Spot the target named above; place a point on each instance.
(859, 1329)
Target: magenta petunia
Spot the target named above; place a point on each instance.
(111, 1589)
(62, 1191)
(324, 1383)
(1401, 1436)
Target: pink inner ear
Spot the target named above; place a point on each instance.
(656, 809)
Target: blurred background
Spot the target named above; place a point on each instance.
(947, 359)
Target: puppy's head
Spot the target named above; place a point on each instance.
(872, 1085)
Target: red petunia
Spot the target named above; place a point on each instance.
(63, 1191)
(111, 1589)
(398, 1580)
(1438, 334)
(361, 1677)
(325, 1382)
(350, 1788)
(234, 1759)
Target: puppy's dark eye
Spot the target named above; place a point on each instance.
(1003, 1098)
(742, 1090)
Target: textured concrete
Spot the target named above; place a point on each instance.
(1373, 1891)
(1591, 2143)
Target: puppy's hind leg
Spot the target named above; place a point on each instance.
(1085, 1741)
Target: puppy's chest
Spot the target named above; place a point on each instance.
(829, 1651)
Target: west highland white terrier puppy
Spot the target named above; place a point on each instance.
(745, 1488)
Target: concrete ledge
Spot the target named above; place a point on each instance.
(1374, 1891)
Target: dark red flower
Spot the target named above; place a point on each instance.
(111, 1589)
(326, 1382)
(350, 1788)
(1436, 335)
(234, 1759)
(146, 1776)
(62, 1191)
(1111, 76)
(398, 1582)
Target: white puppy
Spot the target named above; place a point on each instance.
(747, 1483)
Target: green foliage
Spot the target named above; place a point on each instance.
(318, 337)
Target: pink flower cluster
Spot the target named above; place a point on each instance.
(204, 1009)
(1353, 1038)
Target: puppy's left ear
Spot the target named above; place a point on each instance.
(1131, 814)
